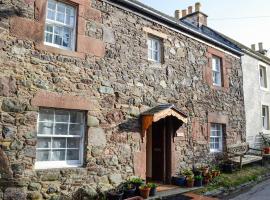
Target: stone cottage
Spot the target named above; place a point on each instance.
(95, 91)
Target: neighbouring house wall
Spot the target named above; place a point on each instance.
(255, 97)
(113, 82)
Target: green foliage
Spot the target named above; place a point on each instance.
(187, 172)
(198, 177)
(152, 185)
(235, 179)
(136, 180)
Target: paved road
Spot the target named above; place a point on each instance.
(259, 192)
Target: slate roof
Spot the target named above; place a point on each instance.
(203, 33)
(163, 107)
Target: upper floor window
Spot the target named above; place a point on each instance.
(154, 49)
(265, 117)
(263, 77)
(216, 71)
(216, 136)
(60, 138)
(60, 25)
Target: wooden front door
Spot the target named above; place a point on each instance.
(161, 151)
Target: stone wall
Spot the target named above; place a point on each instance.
(118, 85)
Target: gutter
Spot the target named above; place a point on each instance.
(256, 56)
(146, 10)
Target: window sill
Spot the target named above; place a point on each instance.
(56, 165)
(55, 50)
(264, 89)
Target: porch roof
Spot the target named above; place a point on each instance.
(160, 112)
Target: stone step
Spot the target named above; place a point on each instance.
(172, 192)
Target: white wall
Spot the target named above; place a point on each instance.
(255, 97)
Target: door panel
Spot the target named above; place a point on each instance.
(158, 151)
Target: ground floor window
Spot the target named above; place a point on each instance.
(216, 136)
(265, 117)
(60, 136)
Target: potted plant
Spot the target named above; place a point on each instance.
(197, 172)
(227, 166)
(145, 191)
(190, 181)
(115, 194)
(180, 180)
(266, 144)
(129, 190)
(205, 170)
(198, 181)
(153, 190)
(207, 178)
(137, 182)
(215, 171)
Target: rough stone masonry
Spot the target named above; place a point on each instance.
(113, 82)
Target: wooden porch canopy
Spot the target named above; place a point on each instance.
(161, 112)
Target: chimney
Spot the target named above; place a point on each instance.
(177, 14)
(184, 13)
(253, 47)
(198, 7)
(196, 18)
(189, 10)
(261, 49)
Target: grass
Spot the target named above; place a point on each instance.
(247, 174)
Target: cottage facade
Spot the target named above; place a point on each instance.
(93, 92)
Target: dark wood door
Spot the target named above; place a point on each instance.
(158, 151)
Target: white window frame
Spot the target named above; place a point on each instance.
(66, 163)
(220, 129)
(56, 23)
(263, 78)
(265, 119)
(151, 40)
(217, 72)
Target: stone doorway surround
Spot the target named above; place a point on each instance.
(177, 118)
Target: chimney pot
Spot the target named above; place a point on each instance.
(189, 9)
(198, 7)
(177, 14)
(184, 13)
(253, 47)
(261, 47)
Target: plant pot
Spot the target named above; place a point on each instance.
(113, 195)
(198, 183)
(153, 192)
(227, 167)
(266, 150)
(214, 173)
(206, 181)
(205, 171)
(129, 192)
(190, 183)
(144, 192)
(137, 186)
(179, 181)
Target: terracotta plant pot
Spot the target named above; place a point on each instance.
(215, 173)
(206, 181)
(205, 171)
(190, 183)
(266, 150)
(144, 192)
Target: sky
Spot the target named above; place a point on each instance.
(247, 21)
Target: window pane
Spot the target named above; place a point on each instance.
(57, 30)
(156, 56)
(61, 129)
(58, 40)
(59, 142)
(75, 129)
(73, 155)
(49, 37)
(156, 45)
(49, 28)
(51, 5)
(60, 17)
(44, 143)
(46, 115)
(76, 117)
(60, 8)
(51, 15)
(43, 155)
(45, 128)
(58, 155)
(61, 116)
(73, 142)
